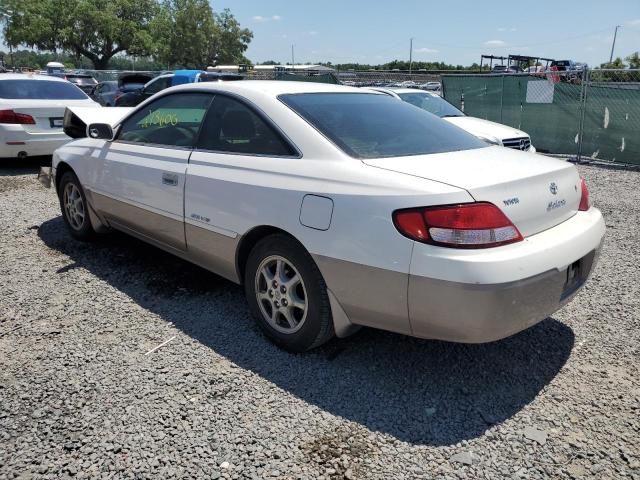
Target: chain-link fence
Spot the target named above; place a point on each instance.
(589, 114)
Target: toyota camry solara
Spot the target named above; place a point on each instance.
(337, 208)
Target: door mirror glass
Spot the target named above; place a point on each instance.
(102, 131)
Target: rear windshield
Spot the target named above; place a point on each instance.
(376, 126)
(431, 103)
(40, 90)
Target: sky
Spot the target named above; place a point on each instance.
(455, 32)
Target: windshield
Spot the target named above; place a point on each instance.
(40, 90)
(431, 103)
(367, 125)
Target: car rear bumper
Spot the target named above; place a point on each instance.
(487, 295)
(16, 140)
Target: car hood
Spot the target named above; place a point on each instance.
(534, 191)
(485, 128)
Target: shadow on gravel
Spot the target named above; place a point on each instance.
(419, 391)
(16, 166)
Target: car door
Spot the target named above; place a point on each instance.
(238, 156)
(139, 177)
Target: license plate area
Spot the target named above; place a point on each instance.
(56, 122)
(575, 278)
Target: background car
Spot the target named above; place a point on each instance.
(31, 113)
(490, 132)
(159, 83)
(85, 82)
(105, 92)
(337, 207)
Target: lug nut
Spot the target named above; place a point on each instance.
(275, 284)
(283, 289)
(270, 293)
(276, 304)
(284, 302)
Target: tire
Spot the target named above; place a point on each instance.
(74, 207)
(275, 306)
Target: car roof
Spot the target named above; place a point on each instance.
(31, 76)
(271, 88)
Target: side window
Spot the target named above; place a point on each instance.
(231, 126)
(156, 85)
(172, 120)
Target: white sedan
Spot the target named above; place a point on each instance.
(491, 132)
(31, 113)
(334, 209)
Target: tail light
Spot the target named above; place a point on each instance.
(585, 204)
(9, 116)
(468, 225)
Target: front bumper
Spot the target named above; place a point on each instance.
(488, 295)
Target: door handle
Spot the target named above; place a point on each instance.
(170, 179)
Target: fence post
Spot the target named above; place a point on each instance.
(583, 108)
(501, 98)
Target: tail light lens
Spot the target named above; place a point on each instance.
(468, 225)
(9, 116)
(585, 204)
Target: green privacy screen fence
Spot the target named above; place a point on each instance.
(590, 114)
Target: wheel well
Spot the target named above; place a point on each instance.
(249, 240)
(61, 169)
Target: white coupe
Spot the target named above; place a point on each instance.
(336, 207)
(31, 113)
(491, 132)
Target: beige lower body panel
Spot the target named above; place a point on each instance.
(213, 251)
(123, 215)
(369, 296)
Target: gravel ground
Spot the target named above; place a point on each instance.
(83, 394)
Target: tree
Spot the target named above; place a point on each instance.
(95, 29)
(231, 41)
(616, 64)
(188, 34)
(634, 60)
(182, 33)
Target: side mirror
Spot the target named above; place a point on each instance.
(102, 131)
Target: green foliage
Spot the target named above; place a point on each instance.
(402, 65)
(95, 29)
(188, 34)
(184, 33)
(617, 63)
(634, 60)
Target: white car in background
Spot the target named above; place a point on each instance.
(31, 113)
(337, 207)
(491, 132)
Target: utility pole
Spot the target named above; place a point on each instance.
(292, 57)
(410, 54)
(615, 34)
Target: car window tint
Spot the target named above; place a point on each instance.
(157, 85)
(40, 90)
(431, 103)
(171, 120)
(367, 125)
(231, 126)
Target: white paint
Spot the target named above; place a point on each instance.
(575, 140)
(623, 145)
(606, 117)
(595, 154)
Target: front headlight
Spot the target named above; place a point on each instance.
(491, 140)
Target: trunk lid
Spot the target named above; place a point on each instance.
(534, 191)
(48, 114)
